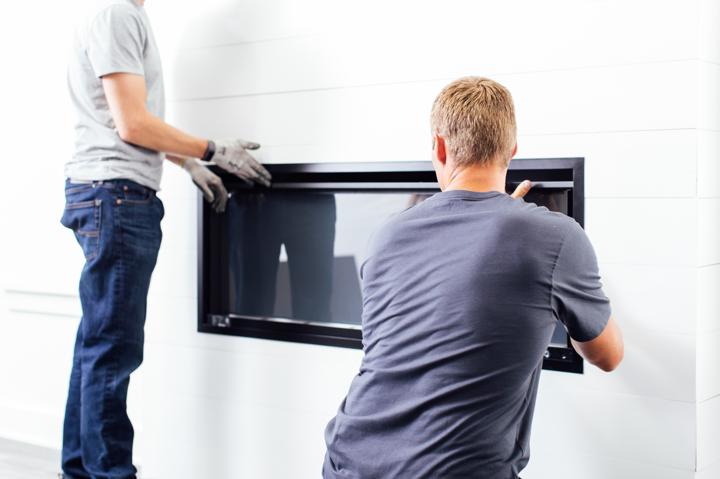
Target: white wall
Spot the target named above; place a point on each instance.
(708, 337)
(630, 86)
(39, 262)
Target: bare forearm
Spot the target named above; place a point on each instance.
(152, 133)
(177, 160)
(127, 95)
(606, 351)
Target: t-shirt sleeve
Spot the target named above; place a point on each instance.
(577, 296)
(116, 41)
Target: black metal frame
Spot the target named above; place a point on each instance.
(546, 173)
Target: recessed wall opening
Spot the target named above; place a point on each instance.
(285, 263)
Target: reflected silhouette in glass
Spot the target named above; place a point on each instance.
(259, 225)
(325, 238)
(297, 254)
(552, 200)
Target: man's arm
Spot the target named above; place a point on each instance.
(605, 351)
(579, 302)
(127, 95)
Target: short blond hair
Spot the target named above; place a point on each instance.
(476, 117)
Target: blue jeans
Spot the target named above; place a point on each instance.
(117, 224)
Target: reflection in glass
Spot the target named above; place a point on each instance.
(259, 225)
(554, 200)
(297, 254)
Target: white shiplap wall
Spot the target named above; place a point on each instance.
(631, 86)
(708, 192)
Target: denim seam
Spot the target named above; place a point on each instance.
(110, 376)
(77, 189)
(117, 295)
(80, 205)
(139, 202)
(98, 225)
(138, 196)
(121, 254)
(94, 234)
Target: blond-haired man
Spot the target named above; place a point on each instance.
(461, 296)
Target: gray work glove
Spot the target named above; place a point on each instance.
(209, 183)
(232, 156)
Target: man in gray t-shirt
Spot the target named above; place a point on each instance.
(113, 37)
(461, 295)
(116, 85)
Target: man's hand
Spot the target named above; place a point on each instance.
(232, 155)
(209, 183)
(522, 189)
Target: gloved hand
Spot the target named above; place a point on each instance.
(209, 183)
(232, 155)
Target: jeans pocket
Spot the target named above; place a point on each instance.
(134, 193)
(83, 218)
(77, 188)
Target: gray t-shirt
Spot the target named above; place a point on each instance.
(461, 295)
(114, 36)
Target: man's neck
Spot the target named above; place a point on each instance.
(480, 179)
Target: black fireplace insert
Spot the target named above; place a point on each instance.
(283, 263)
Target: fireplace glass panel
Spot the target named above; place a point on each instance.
(283, 263)
(297, 255)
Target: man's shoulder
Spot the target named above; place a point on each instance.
(532, 213)
(535, 226)
(507, 216)
(102, 15)
(94, 10)
(98, 6)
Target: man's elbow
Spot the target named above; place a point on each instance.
(610, 362)
(129, 131)
(130, 128)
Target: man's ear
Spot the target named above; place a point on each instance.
(439, 149)
(514, 151)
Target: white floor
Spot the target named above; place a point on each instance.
(23, 461)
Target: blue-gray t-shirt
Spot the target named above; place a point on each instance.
(461, 295)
